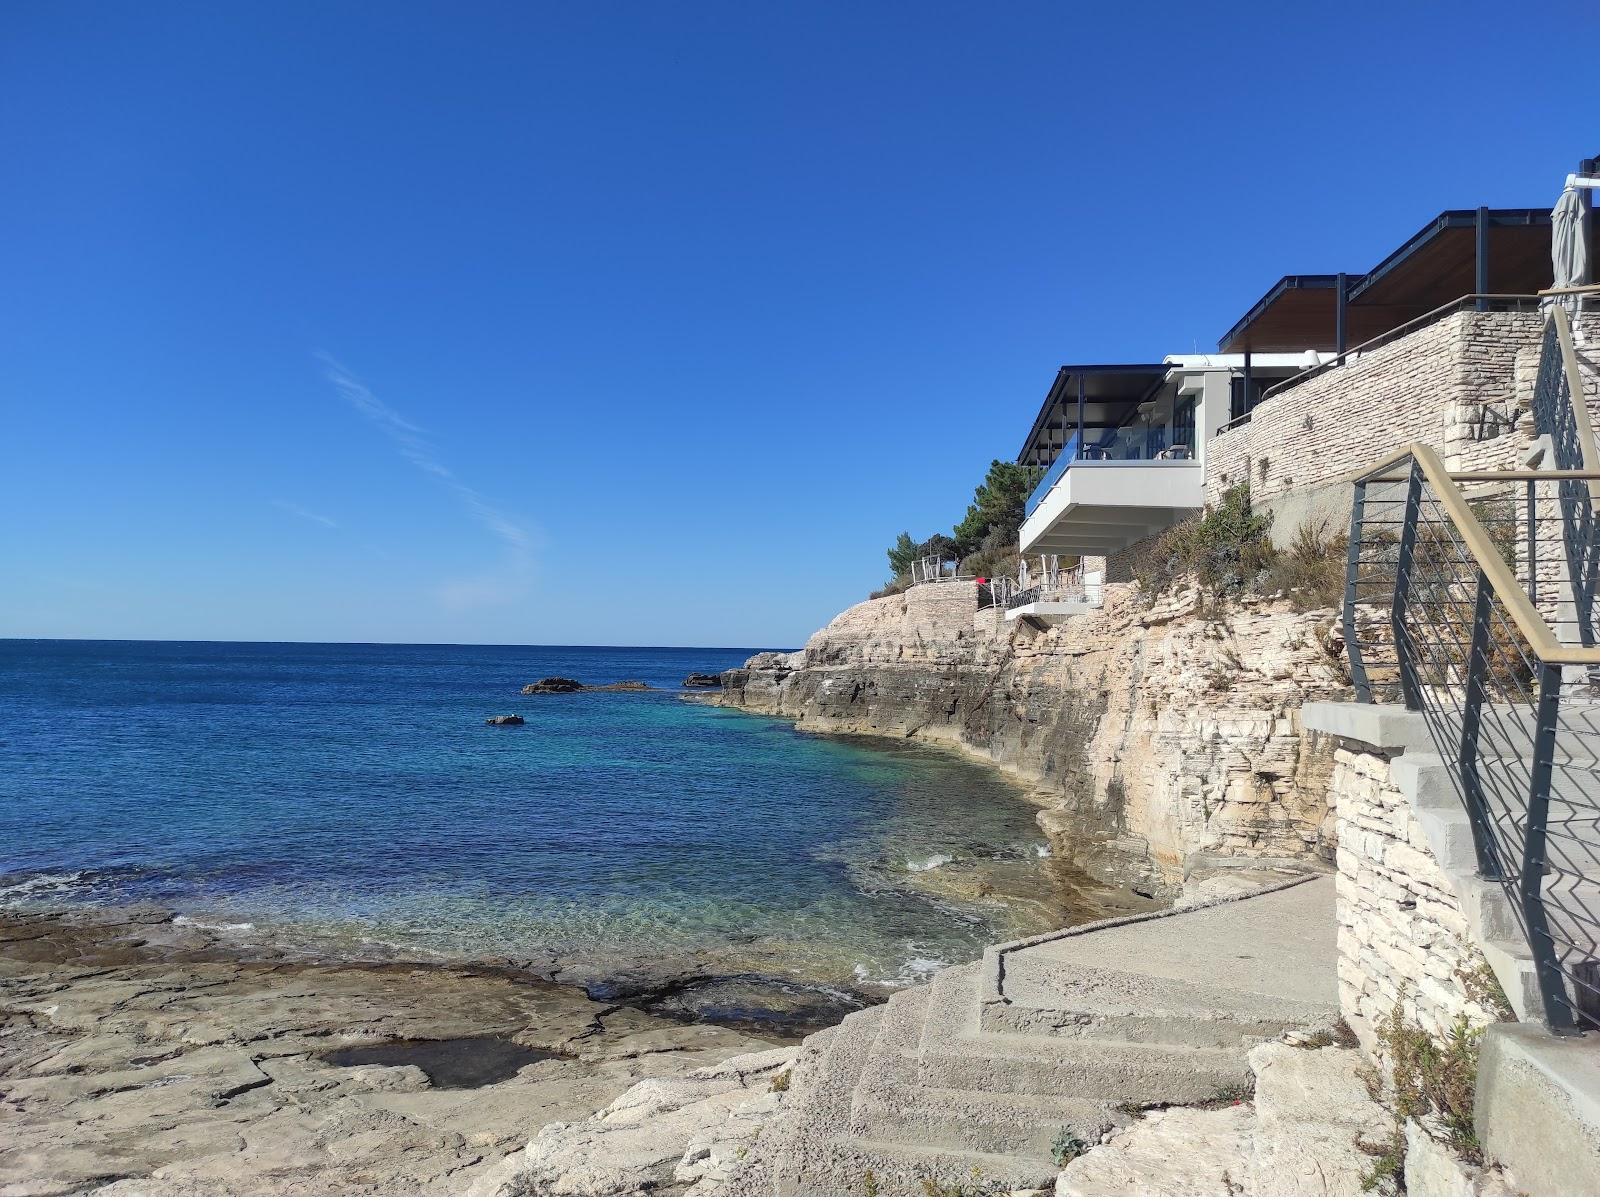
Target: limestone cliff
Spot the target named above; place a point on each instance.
(1158, 740)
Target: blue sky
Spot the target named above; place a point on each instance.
(649, 323)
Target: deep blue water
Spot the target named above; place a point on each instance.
(351, 794)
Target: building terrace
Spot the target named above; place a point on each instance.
(1124, 446)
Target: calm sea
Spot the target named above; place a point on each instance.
(351, 796)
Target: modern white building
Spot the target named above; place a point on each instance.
(1124, 445)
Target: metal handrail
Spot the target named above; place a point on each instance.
(1513, 709)
(1533, 626)
(1462, 644)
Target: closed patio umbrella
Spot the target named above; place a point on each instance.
(1568, 254)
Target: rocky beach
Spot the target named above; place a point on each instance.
(143, 1056)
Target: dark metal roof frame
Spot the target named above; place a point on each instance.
(1499, 218)
(1059, 390)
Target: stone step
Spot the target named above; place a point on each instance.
(891, 1104)
(989, 1123)
(1099, 1069)
(1512, 964)
(906, 1170)
(1050, 997)
(820, 1109)
(954, 1053)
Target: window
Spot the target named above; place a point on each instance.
(1240, 404)
(1184, 421)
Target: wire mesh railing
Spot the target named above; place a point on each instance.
(1057, 585)
(1460, 604)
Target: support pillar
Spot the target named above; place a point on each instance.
(1341, 299)
(1481, 283)
(1081, 407)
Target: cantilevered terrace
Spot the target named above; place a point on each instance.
(1124, 446)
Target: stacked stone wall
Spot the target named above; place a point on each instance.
(1402, 935)
(1429, 386)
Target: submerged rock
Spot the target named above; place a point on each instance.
(625, 686)
(704, 680)
(553, 685)
(504, 721)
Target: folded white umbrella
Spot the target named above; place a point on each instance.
(1568, 254)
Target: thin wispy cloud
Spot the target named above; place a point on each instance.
(304, 513)
(497, 587)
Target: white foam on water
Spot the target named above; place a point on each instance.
(39, 884)
(184, 920)
(938, 860)
(918, 969)
(1042, 851)
(914, 970)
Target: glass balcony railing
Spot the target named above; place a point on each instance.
(1052, 475)
(1130, 443)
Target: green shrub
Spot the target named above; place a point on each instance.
(1226, 550)
(1431, 1080)
(1066, 1147)
(1310, 573)
(1435, 1080)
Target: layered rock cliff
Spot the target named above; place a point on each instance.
(1160, 741)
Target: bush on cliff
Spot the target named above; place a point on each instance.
(1228, 552)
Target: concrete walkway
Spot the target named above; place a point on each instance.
(1063, 1035)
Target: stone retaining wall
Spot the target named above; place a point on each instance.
(1402, 936)
(1415, 388)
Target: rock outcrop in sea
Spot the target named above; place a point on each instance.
(567, 685)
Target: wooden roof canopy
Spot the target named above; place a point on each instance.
(1437, 265)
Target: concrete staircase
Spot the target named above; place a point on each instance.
(971, 1079)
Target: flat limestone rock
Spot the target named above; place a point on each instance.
(126, 1073)
(1299, 1139)
(1179, 1152)
(685, 1130)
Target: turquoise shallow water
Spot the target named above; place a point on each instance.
(350, 796)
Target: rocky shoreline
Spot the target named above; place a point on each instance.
(140, 1055)
(1161, 741)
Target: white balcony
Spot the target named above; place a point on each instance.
(1097, 508)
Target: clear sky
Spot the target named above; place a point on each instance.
(651, 323)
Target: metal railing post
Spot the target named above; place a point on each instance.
(1352, 569)
(1533, 546)
(1410, 687)
(1472, 715)
(1557, 1009)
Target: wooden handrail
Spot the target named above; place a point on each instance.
(1523, 613)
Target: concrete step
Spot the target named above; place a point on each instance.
(890, 1104)
(904, 1170)
(819, 1104)
(1512, 964)
(1426, 780)
(991, 1123)
(1100, 1069)
(1052, 997)
(1108, 1070)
